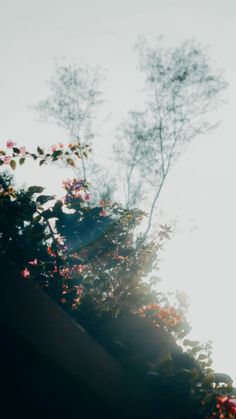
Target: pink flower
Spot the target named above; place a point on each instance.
(63, 300)
(103, 213)
(25, 273)
(60, 145)
(53, 148)
(87, 197)
(10, 144)
(7, 159)
(33, 262)
(22, 150)
(79, 290)
(65, 272)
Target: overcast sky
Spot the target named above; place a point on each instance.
(200, 192)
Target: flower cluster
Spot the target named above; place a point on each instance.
(76, 189)
(7, 158)
(225, 408)
(68, 272)
(168, 315)
(56, 147)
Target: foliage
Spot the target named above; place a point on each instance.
(90, 248)
(87, 258)
(68, 155)
(193, 392)
(182, 93)
(74, 97)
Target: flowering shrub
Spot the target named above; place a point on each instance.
(80, 251)
(225, 408)
(86, 257)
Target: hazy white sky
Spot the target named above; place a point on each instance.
(200, 192)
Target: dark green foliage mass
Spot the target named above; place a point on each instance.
(88, 259)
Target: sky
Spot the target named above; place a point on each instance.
(199, 196)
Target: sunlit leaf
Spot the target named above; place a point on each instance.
(13, 164)
(70, 161)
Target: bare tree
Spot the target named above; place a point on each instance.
(183, 92)
(74, 97)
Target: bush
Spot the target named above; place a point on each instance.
(89, 259)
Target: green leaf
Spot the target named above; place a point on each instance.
(37, 219)
(57, 209)
(166, 367)
(42, 199)
(13, 164)
(188, 342)
(35, 189)
(57, 153)
(202, 357)
(40, 151)
(34, 156)
(21, 161)
(1, 162)
(70, 161)
(37, 232)
(47, 214)
(209, 371)
(196, 349)
(222, 378)
(16, 150)
(42, 162)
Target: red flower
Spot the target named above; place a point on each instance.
(50, 252)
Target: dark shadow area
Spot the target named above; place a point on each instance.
(33, 386)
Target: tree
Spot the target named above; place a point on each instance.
(182, 94)
(74, 97)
